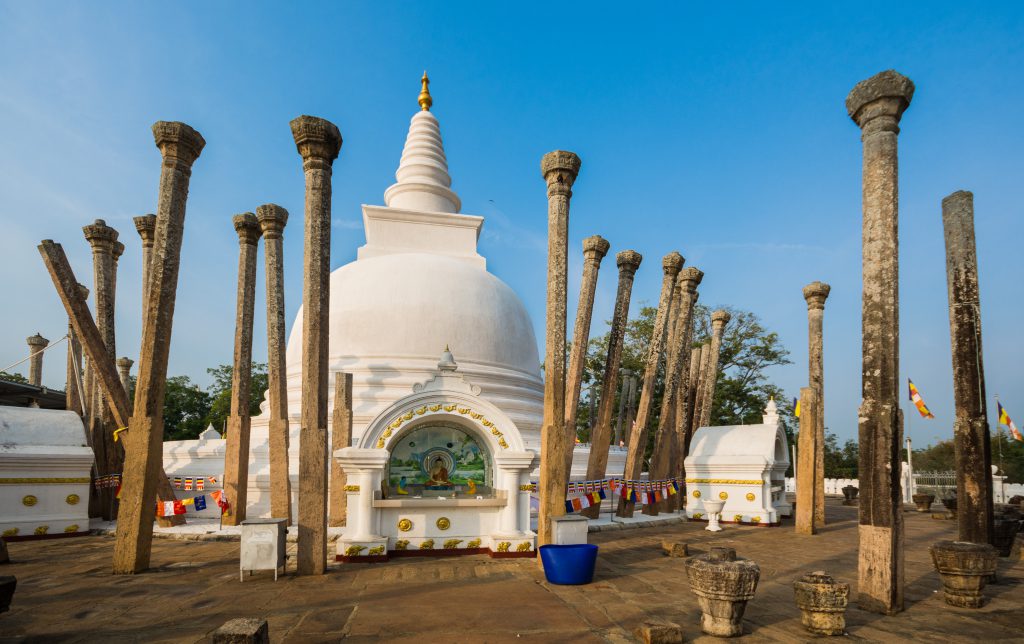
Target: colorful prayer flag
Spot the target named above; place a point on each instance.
(915, 397)
(177, 482)
(796, 407)
(1004, 419)
(188, 483)
(200, 483)
(200, 503)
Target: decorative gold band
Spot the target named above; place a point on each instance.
(44, 481)
(727, 481)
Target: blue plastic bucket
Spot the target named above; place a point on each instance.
(569, 564)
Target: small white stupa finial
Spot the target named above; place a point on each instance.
(447, 362)
(771, 413)
(422, 177)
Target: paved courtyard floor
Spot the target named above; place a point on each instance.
(66, 592)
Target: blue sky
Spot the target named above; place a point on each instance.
(720, 132)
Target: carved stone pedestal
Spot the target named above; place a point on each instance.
(850, 495)
(965, 569)
(723, 585)
(923, 501)
(822, 602)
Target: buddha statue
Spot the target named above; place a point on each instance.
(438, 474)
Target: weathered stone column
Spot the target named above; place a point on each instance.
(594, 250)
(73, 389)
(816, 293)
(236, 450)
(876, 105)
(341, 437)
(679, 437)
(600, 436)
(318, 142)
(116, 255)
(807, 467)
(970, 428)
(627, 375)
(698, 392)
(124, 369)
(671, 264)
(180, 146)
(272, 220)
(36, 344)
(559, 169)
(103, 240)
(718, 321)
(146, 226)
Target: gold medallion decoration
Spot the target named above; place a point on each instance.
(723, 495)
(351, 488)
(696, 494)
(750, 496)
(43, 529)
(738, 518)
(29, 500)
(72, 499)
(443, 523)
(71, 528)
(382, 440)
(10, 532)
(755, 520)
(529, 487)
(404, 525)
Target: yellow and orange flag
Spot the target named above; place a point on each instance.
(915, 397)
(1004, 419)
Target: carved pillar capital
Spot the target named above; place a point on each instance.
(100, 236)
(595, 248)
(628, 261)
(689, 279)
(37, 342)
(247, 227)
(876, 104)
(672, 263)
(317, 140)
(146, 227)
(816, 293)
(560, 169)
(272, 220)
(718, 321)
(178, 143)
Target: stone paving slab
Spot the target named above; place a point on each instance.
(67, 594)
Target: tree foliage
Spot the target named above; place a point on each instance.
(1007, 455)
(13, 377)
(188, 409)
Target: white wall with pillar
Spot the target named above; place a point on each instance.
(439, 471)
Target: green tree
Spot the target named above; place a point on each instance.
(13, 377)
(220, 392)
(840, 462)
(186, 408)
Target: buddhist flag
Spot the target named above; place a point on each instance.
(915, 397)
(796, 407)
(1004, 419)
(200, 502)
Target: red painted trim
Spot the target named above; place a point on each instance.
(363, 559)
(39, 537)
(762, 524)
(438, 552)
(530, 554)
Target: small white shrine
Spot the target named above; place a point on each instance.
(45, 468)
(441, 470)
(743, 465)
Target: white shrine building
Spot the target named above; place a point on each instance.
(418, 287)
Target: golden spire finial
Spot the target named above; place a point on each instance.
(425, 100)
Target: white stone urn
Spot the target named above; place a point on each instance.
(714, 510)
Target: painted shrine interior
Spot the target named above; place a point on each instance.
(438, 460)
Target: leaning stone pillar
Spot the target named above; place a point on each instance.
(627, 375)
(876, 105)
(146, 227)
(103, 240)
(236, 450)
(689, 279)
(816, 293)
(74, 395)
(600, 436)
(807, 466)
(272, 220)
(698, 393)
(594, 250)
(341, 437)
(36, 344)
(970, 428)
(671, 264)
(718, 321)
(124, 369)
(559, 169)
(685, 410)
(180, 146)
(318, 142)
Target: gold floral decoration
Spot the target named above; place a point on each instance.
(72, 499)
(750, 496)
(71, 528)
(422, 410)
(43, 529)
(10, 532)
(450, 407)
(463, 410)
(723, 495)
(444, 523)
(529, 487)
(404, 525)
(29, 500)
(696, 494)
(351, 488)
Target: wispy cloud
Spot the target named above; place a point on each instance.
(347, 224)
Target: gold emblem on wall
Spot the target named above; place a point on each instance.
(10, 532)
(723, 495)
(750, 496)
(72, 499)
(29, 500)
(404, 525)
(443, 523)
(696, 494)
(71, 528)
(43, 529)
(351, 488)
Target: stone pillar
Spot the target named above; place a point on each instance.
(103, 240)
(236, 451)
(272, 220)
(718, 321)
(318, 142)
(698, 393)
(594, 250)
(876, 105)
(627, 376)
(146, 226)
(970, 427)
(816, 293)
(118, 251)
(180, 146)
(679, 438)
(124, 369)
(36, 344)
(631, 402)
(74, 394)
(341, 437)
(685, 411)
(600, 436)
(807, 471)
(671, 264)
(559, 169)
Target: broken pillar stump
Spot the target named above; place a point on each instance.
(965, 569)
(822, 602)
(675, 549)
(723, 584)
(659, 633)
(243, 631)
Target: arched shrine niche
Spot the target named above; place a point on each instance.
(438, 458)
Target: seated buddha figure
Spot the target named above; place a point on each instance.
(438, 474)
